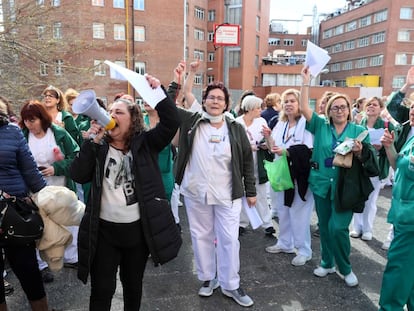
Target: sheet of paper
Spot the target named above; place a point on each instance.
(375, 136)
(316, 58)
(151, 96)
(254, 218)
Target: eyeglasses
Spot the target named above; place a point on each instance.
(49, 96)
(213, 98)
(337, 108)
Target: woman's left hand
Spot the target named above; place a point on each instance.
(251, 201)
(152, 81)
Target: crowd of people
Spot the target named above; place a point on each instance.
(132, 176)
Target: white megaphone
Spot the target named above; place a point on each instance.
(86, 104)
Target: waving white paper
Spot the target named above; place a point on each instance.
(316, 58)
(151, 96)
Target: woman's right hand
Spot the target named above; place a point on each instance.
(96, 132)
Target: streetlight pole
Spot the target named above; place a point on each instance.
(226, 48)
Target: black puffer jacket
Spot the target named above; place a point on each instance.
(161, 233)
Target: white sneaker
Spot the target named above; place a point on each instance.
(322, 272)
(180, 203)
(275, 249)
(300, 260)
(367, 236)
(351, 280)
(238, 296)
(208, 288)
(354, 234)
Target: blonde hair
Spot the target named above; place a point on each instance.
(273, 100)
(70, 94)
(296, 94)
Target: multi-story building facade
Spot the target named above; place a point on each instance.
(64, 43)
(373, 38)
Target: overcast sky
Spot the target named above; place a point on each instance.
(295, 9)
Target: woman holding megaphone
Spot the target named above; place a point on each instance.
(127, 203)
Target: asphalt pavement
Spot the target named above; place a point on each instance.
(269, 279)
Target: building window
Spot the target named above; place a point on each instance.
(234, 58)
(43, 69)
(257, 43)
(365, 21)
(347, 65)
(140, 68)
(40, 2)
(259, 5)
(378, 37)
(98, 3)
(274, 41)
(57, 30)
(362, 42)
(406, 13)
(349, 45)
(198, 79)
(139, 5)
(235, 15)
(139, 33)
(361, 63)
(401, 59)
(58, 67)
(339, 30)
(211, 15)
(288, 42)
(211, 56)
(55, 3)
(335, 67)
(351, 26)
(199, 34)
(100, 68)
(380, 16)
(337, 48)
(98, 30)
(119, 4)
(210, 79)
(41, 31)
(376, 60)
(119, 32)
(398, 82)
(403, 35)
(304, 42)
(257, 23)
(198, 54)
(199, 13)
(327, 34)
(210, 36)
(256, 61)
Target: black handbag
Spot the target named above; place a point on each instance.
(20, 221)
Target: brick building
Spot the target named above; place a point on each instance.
(372, 38)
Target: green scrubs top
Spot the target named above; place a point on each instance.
(324, 175)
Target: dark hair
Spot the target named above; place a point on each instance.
(34, 109)
(217, 85)
(137, 121)
(118, 96)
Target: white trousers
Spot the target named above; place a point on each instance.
(364, 222)
(261, 206)
(71, 251)
(294, 223)
(175, 198)
(214, 234)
